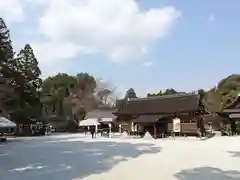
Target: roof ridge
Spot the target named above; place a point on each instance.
(101, 109)
(164, 96)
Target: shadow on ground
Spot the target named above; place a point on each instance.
(207, 173)
(65, 160)
(234, 153)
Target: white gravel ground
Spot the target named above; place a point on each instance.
(76, 157)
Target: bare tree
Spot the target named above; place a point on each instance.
(105, 93)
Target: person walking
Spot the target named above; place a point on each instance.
(92, 132)
(85, 130)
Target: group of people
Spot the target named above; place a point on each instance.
(40, 129)
(94, 131)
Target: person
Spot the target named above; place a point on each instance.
(48, 128)
(33, 128)
(210, 127)
(108, 132)
(92, 132)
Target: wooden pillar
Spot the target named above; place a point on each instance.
(96, 130)
(132, 127)
(110, 129)
(120, 128)
(155, 131)
(200, 126)
(233, 126)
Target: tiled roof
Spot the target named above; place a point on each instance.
(161, 104)
(101, 113)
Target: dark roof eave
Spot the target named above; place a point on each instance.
(155, 113)
(98, 114)
(227, 111)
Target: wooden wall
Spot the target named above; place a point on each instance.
(125, 122)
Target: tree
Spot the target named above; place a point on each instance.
(229, 84)
(70, 96)
(130, 94)
(229, 88)
(105, 93)
(61, 80)
(7, 96)
(86, 82)
(55, 89)
(58, 95)
(80, 100)
(155, 94)
(169, 92)
(27, 84)
(7, 62)
(6, 51)
(84, 92)
(27, 65)
(212, 101)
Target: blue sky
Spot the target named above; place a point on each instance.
(191, 45)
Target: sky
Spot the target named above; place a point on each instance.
(148, 45)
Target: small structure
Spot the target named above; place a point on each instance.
(89, 122)
(6, 127)
(147, 136)
(158, 115)
(6, 123)
(103, 118)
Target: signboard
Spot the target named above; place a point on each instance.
(234, 115)
(176, 125)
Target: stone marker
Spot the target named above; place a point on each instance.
(147, 135)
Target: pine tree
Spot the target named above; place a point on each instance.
(28, 81)
(6, 66)
(130, 94)
(6, 50)
(27, 65)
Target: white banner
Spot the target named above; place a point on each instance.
(176, 125)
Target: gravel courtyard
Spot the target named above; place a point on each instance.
(76, 157)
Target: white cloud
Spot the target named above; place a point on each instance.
(211, 18)
(147, 63)
(15, 11)
(116, 29)
(56, 55)
(51, 51)
(37, 2)
(11, 10)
